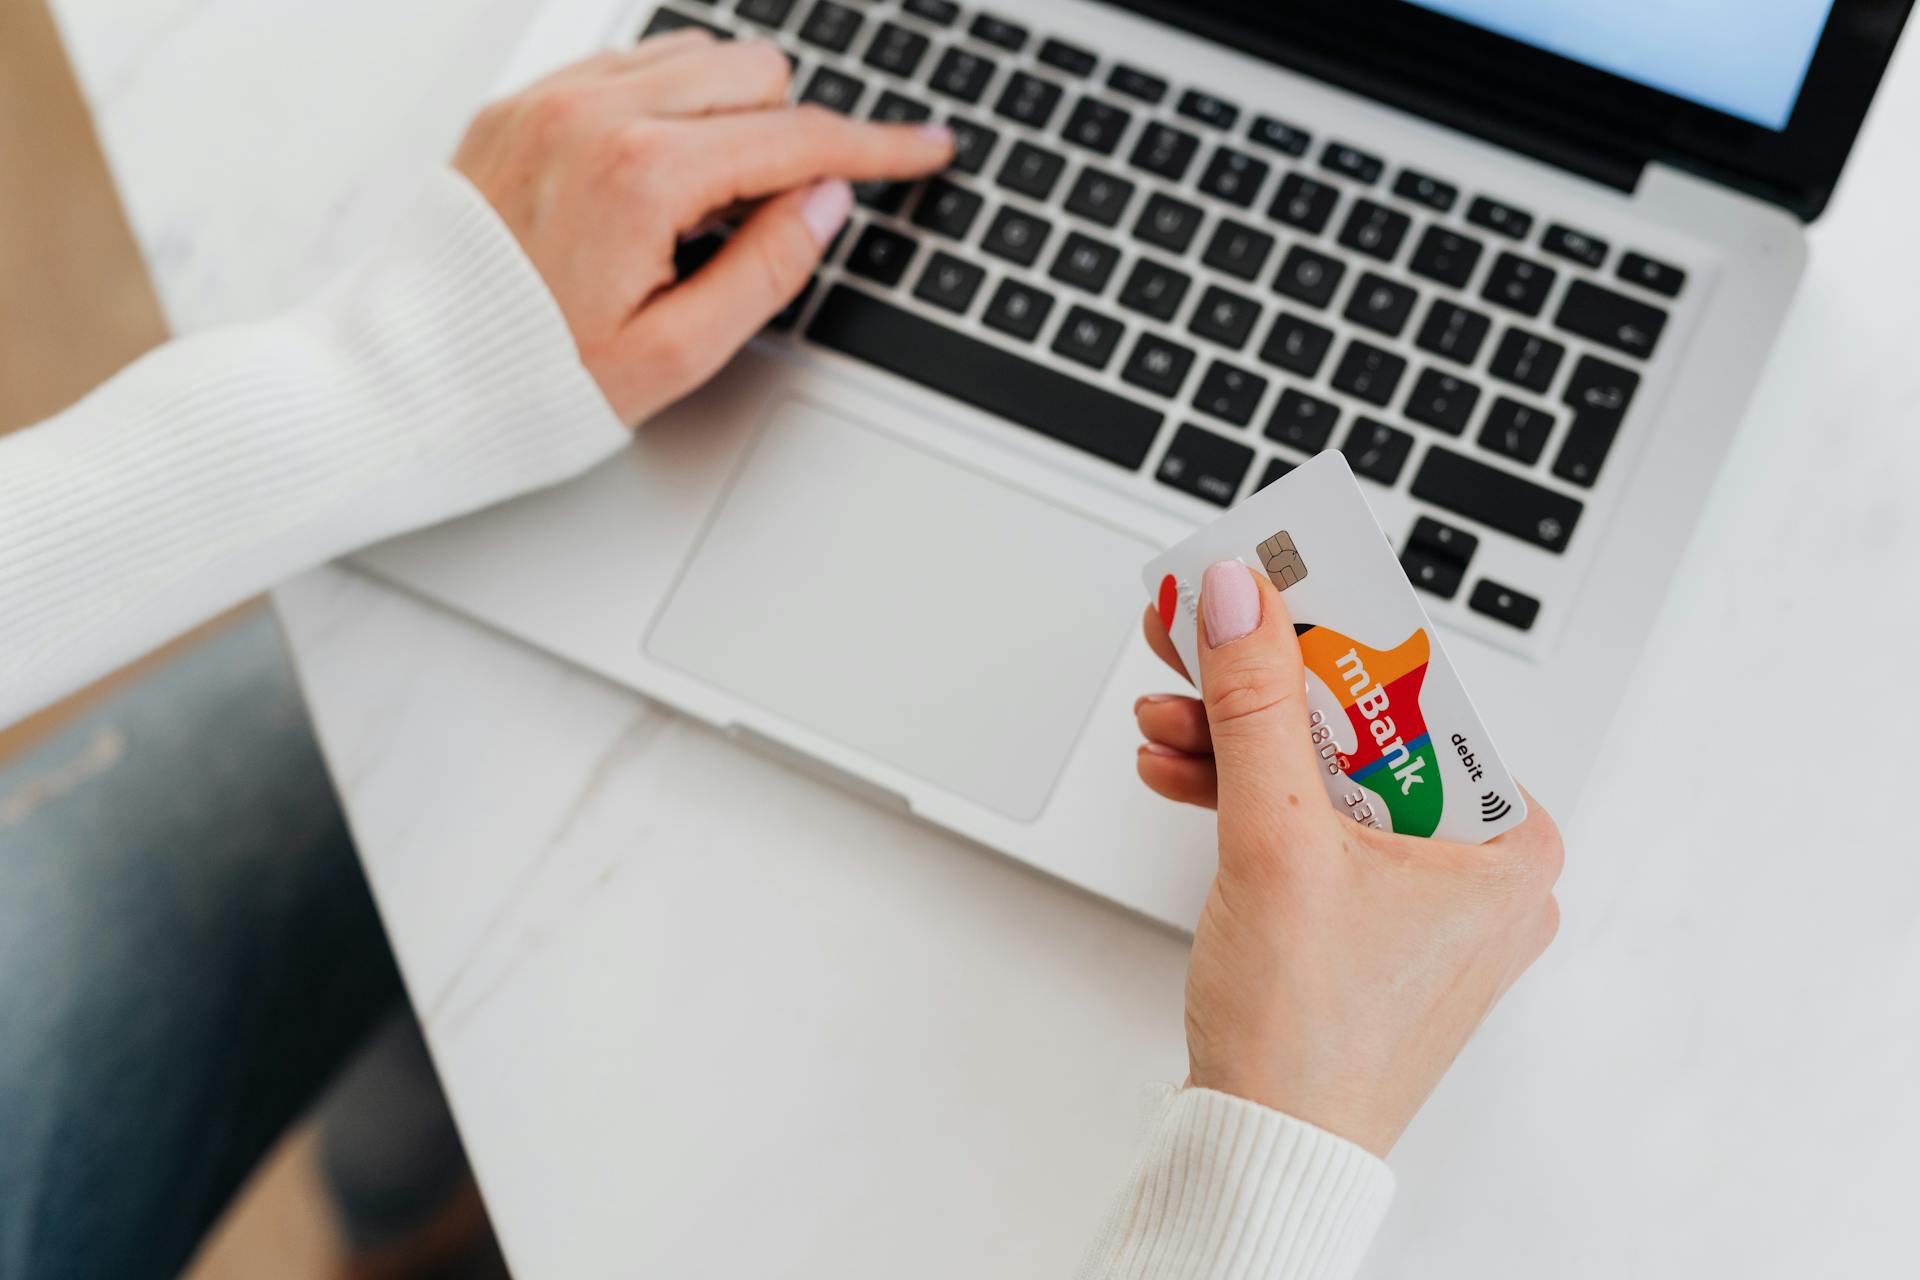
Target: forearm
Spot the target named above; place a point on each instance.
(437, 379)
(1228, 1190)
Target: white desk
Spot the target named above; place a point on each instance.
(700, 1016)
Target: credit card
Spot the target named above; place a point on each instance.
(1402, 746)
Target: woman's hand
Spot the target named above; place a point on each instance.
(1337, 970)
(601, 168)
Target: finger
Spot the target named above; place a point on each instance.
(1182, 779)
(746, 155)
(684, 335)
(1174, 721)
(1254, 683)
(1161, 643)
(734, 76)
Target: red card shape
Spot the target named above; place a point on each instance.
(1169, 600)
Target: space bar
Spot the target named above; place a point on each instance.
(986, 377)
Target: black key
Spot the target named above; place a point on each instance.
(1279, 135)
(1168, 223)
(881, 254)
(949, 208)
(1296, 345)
(1517, 431)
(1015, 236)
(1233, 176)
(1237, 249)
(883, 197)
(1154, 289)
(1638, 268)
(893, 108)
(1526, 359)
(1205, 465)
(1088, 338)
(948, 282)
(1368, 372)
(831, 26)
(972, 144)
(1085, 263)
(1303, 421)
(1600, 387)
(1031, 171)
(1443, 540)
(1069, 58)
(1446, 256)
(1136, 83)
(1496, 498)
(1504, 218)
(1225, 317)
(1208, 109)
(1431, 573)
(768, 13)
(1375, 230)
(1376, 450)
(897, 50)
(1565, 242)
(1421, 189)
(1276, 467)
(1099, 197)
(1057, 405)
(1008, 35)
(1229, 393)
(961, 75)
(1311, 277)
(1454, 332)
(1381, 305)
(1096, 125)
(665, 20)
(1351, 162)
(1029, 99)
(939, 12)
(1018, 309)
(1611, 319)
(1518, 284)
(1599, 393)
(1442, 400)
(834, 89)
(1303, 202)
(1165, 150)
(1504, 603)
(1158, 365)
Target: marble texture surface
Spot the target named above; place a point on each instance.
(702, 1016)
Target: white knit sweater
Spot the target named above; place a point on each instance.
(438, 378)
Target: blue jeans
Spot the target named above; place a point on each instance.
(188, 954)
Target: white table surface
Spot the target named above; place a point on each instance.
(701, 1016)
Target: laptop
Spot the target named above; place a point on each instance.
(1521, 261)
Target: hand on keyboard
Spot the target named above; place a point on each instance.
(601, 169)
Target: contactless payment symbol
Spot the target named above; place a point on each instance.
(1393, 755)
(1282, 561)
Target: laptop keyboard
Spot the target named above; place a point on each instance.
(1260, 291)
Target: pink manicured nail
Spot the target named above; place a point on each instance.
(1162, 749)
(1231, 602)
(938, 132)
(1159, 697)
(826, 208)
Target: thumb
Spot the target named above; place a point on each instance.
(683, 337)
(1255, 690)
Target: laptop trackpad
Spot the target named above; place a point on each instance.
(899, 603)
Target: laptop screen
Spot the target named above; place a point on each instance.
(1747, 58)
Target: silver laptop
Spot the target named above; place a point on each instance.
(1520, 260)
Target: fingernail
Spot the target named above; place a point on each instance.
(940, 133)
(1161, 749)
(1157, 697)
(1231, 602)
(826, 208)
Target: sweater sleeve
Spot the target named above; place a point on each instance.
(436, 379)
(1225, 1189)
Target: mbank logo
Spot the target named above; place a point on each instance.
(1393, 754)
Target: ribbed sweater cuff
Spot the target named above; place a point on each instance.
(1228, 1190)
(438, 378)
